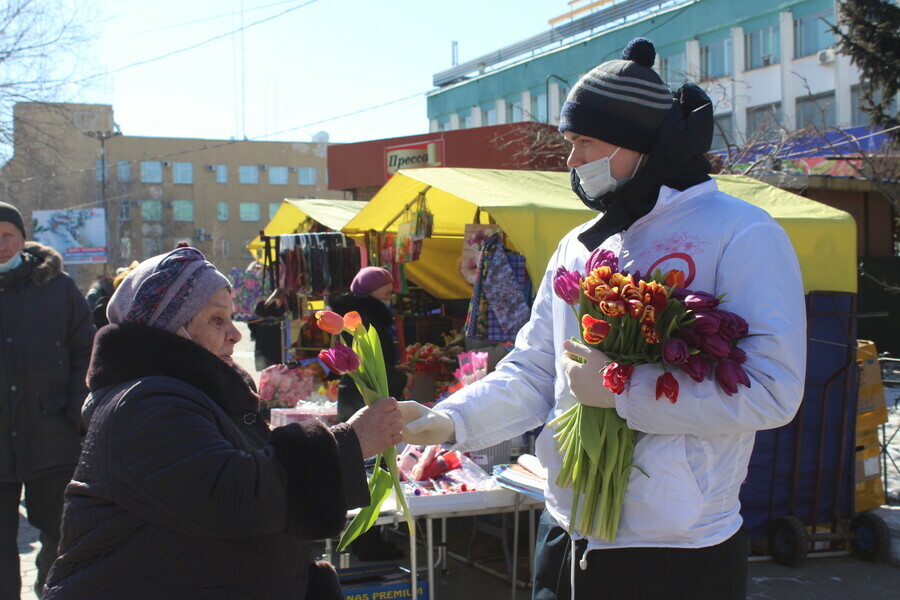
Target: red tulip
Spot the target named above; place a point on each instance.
(729, 374)
(731, 325)
(667, 385)
(615, 375)
(706, 323)
(715, 346)
(594, 330)
(567, 285)
(340, 359)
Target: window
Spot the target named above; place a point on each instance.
(762, 47)
(151, 171)
(125, 248)
(98, 170)
(722, 134)
(715, 60)
(273, 208)
(222, 211)
(249, 211)
(124, 171)
(812, 33)
(248, 174)
(816, 112)
(124, 210)
(226, 248)
(860, 116)
(674, 69)
(763, 122)
(539, 107)
(489, 117)
(151, 210)
(183, 210)
(183, 172)
(221, 173)
(152, 246)
(278, 175)
(306, 175)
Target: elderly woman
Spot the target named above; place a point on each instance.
(181, 490)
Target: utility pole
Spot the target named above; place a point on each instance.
(104, 203)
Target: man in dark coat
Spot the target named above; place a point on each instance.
(45, 346)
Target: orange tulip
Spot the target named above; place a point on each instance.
(329, 321)
(594, 330)
(352, 320)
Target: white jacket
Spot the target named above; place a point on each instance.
(695, 451)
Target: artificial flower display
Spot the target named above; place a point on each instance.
(364, 362)
(634, 321)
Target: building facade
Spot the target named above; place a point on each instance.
(762, 63)
(215, 194)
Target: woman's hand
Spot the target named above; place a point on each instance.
(585, 376)
(377, 426)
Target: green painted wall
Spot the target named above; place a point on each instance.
(706, 20)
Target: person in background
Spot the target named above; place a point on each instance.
(638, 157)
(97, 297)
(370, 296)
(45, 346)
(182, 491)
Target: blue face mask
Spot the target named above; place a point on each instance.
(12, 263)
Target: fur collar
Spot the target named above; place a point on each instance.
(47, 262)
(127, 351)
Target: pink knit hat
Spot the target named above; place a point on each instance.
(370, 279)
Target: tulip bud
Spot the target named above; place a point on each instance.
(594, 330)
(329, 321)
(706, 323)
(737, 355)
(696, 367)
(340, 359)
(700, 301)
(729, 374)
(667, 385)
(602, 258)
(615, 375)
(567, 285)
(675, 351)
(715, 346)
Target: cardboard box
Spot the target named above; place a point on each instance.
(869, 487)
(380, 582)
(871, 408)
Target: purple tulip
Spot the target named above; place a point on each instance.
(690, 335)
(733, 326)
(696, 367)
(700, 301)
(729, 374)
(715, 346)
(680, 293)
(737, 355)
(602, 258)
(340, 359)
(675, 351)
(706, 323)
(567, 285)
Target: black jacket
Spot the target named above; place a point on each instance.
(45, 346)
(373, 312)
(183, 493)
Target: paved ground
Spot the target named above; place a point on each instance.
(820, 578)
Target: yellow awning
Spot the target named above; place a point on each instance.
(535, 209)
(293, 214)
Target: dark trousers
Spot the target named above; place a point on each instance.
(714, 573)
(43, 505)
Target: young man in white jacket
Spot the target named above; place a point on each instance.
(637, 156)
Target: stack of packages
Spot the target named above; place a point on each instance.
(432, 470)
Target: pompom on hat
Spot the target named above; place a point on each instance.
(622, 102)
(370, 279)
(166, 291)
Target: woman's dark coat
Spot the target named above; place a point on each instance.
(45, 346)
(373, 312)
(182, 492)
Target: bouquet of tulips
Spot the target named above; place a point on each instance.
(364, 362)
(634, 321)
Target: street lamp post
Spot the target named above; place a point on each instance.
(102, 136)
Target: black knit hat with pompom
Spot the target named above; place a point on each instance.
(622, 102)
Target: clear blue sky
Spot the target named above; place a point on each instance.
(319, 60)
